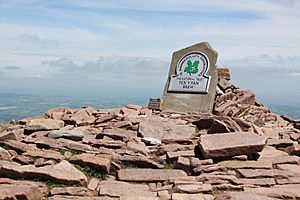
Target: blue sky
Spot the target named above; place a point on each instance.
(87, 47)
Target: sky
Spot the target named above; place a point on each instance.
(95, 47)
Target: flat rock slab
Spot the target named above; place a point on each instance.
(150, 175)
(15, 191)
(255, 181)
(253, 173)
(290, 191)
(199, 196)
(231, 144)
(69, 134)
(159, 128)
(235, 164)
(95, 161)
(241, 195)
(62, 172)
(46, 124)
(123, 189)
(194, 188)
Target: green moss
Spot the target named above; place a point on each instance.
(92, 173)
(169, 165)
(53, 184)
(72, 151)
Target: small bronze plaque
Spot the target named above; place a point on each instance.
(154, 104)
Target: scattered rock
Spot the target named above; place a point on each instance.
(95, 161)
(61, 172)
(44, 124)
(159, 128)
(149, 175)
(231, 144)
(69, 134)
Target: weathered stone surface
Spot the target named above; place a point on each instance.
(217, 124)
(280, 142)
(93, 184)
(241, 196)
(188, 101)
(140, 161)
(211, 177)
(123, 189)
(20, 191)
(75, 191)
(271, 152)
(69, 134)
(176, 154)
(49, 154)
(262, 164)
(105, 118)
(67, 197)
(4, 154)
(283, 191)
(138, 147)
(294, 150)
(45, 124)
(183, 163)
(196, 162)
(95, 161)
(7, 135)
(199, 196)
(231, 144)
(283, 160)
(61, 172)
(295, 169)
(224, 73)
(252, 173)
(19, 147)
(149, 175)
(207, 169)
(256, 181)
(193, 189)
(162, 129)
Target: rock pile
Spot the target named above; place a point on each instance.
(241, 151)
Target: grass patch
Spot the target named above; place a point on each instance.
(92, 173)
(52, 184)
(72, 151)
(169, 165)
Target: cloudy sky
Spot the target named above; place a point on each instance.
(92, 47)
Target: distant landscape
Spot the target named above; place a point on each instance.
(19, 106)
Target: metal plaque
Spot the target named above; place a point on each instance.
(190, 74)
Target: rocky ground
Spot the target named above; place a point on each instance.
(242, 151)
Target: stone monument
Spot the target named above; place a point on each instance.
(192, 79)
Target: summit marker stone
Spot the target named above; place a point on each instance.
(192, 79)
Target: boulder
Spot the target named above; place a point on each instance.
(95, 161)
(123, 189)
(45, 124)
(62, 172)
(75, 191)
(194, 188)
(20, 191)
(290, 191)
(231, 144)
(241, 195)
(261, 164)
(49, 154)
(69, 134)
(7, 135)
(149, 175)
(158, 128)
(294, 150)
(140, 161)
